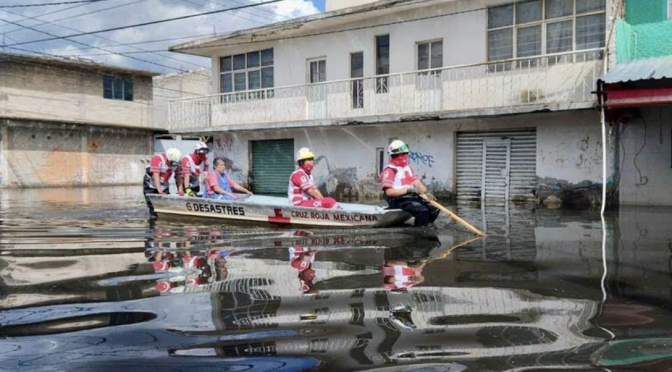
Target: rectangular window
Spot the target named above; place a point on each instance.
(318, 71)
(380, 159)
(382, 62)
(356, 72)
(247, 72)
(116, 87)
(669, 9)
(430, 55)
(538, 27)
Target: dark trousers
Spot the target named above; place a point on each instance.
(423, 212)
(149, 191)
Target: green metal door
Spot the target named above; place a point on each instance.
(272, 164)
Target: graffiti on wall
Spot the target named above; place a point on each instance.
(225, 143)
(422, 159)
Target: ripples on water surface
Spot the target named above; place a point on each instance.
(87, 283)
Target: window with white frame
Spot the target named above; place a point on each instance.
(430, 55)
(539, 27)
(246, 72)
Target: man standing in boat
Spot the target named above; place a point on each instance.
(218, 185)
(402, 187)
(189, 172)
(157, 175)
(302, 191)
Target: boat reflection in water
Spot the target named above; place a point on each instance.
(316, 309)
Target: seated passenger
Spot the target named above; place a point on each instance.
(302, 191)
(401, 187)
(220, 186)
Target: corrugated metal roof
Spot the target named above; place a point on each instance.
(643, 69)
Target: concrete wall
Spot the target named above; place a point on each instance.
(175, 86)
(645, 158)
(39, 154)
(36, 91)
(291, 57)
(569, 152)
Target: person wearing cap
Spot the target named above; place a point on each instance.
(158, 173)
(218, 185)
(189, 172)
(302, 191)
(402, 187)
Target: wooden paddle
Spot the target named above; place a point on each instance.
(451, 249)
(453, 215)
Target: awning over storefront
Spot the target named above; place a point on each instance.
(645, 82)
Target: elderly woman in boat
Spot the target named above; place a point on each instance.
(302, 191)
(218, 185)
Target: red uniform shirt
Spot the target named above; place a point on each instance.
(394, 177)
(299, 183)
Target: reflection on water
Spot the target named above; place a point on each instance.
(89, 284)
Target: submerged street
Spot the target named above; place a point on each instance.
(89, 283)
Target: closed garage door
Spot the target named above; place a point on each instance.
(497, 166)
(272, 164)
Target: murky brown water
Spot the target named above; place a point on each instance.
(87, 283)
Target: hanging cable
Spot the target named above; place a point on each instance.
(52, 4)
(146, 23)
(100, 48)
(643, 180)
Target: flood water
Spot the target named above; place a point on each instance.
(89, 283)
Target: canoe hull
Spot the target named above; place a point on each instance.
(269, 210)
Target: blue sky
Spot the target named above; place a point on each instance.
(319, 4)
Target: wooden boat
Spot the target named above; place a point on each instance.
(277, 210)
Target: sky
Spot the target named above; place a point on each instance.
(25, 24)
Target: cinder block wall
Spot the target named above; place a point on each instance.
(32, 91)
(41, 154)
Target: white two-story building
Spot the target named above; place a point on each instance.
(494, 97)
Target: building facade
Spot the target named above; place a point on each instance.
(495, 98)
(70, 122)
(637, 93)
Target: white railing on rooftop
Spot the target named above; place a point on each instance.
(554, 79)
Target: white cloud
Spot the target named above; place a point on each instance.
(138, 11)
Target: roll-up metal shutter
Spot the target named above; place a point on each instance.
(272, 164)
(497, 165)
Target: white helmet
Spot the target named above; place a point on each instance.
(201, 148)
(304, 154)
(398, 147)
(174, 155)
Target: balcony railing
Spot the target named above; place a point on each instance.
(567, 78)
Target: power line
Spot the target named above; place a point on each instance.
(235, 15)
(313, 34)
(105, 50)
(99, 48)
(49, 4)
(152, 41)
(17, 59)
(75, 16)
(146, 23)
(274, 14)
